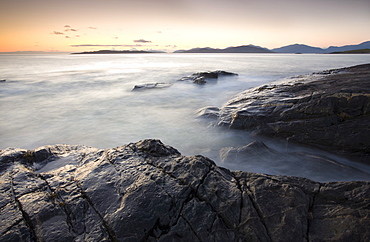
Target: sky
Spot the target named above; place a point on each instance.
(168, 25)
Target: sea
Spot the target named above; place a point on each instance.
(59, 98)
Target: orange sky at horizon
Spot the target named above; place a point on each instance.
(168, 25)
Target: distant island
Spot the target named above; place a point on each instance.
(236, 49)
(117, 52)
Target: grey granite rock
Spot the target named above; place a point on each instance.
(148, 191)
(329, 110)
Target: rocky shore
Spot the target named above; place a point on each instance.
(148, 191)
(329, 110)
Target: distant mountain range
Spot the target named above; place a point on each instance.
(236, 49)
(298, 48)
(295, 48)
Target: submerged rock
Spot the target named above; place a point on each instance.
(202, 77)
(148, 191)
(152, 85)
(330, 110)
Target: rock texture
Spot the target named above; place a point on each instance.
(148, 191)
(330, 110)
(202, 77)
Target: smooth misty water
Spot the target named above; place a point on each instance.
(87, 99)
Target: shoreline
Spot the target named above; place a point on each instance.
(149, 191)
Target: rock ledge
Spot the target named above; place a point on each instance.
(329, 110)
(148, 191)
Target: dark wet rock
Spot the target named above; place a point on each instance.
(249, 151)
(153, 85)
(148, 191)
(3, 80)
(330, 110)
(202, 77)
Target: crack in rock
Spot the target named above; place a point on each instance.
(310, 213)
(109, 230)
(25, 215)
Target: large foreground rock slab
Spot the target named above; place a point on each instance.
(148, 191)
(329, 110)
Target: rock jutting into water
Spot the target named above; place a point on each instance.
(329, 110)
(153, 85)
(148, 191)
(202, 77)
(197, 78)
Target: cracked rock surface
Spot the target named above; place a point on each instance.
(329, 110)
(148, 191)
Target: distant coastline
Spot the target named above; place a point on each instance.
(117, 52)
(360, 51)
(362, 48)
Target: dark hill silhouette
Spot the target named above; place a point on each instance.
(234, 49)
(298, 48)
(301, 48)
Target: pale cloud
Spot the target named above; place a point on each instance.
(57, 33)
(142, 41)
(102, 45)
(93, 28)
(94, 45)
(67, 26)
